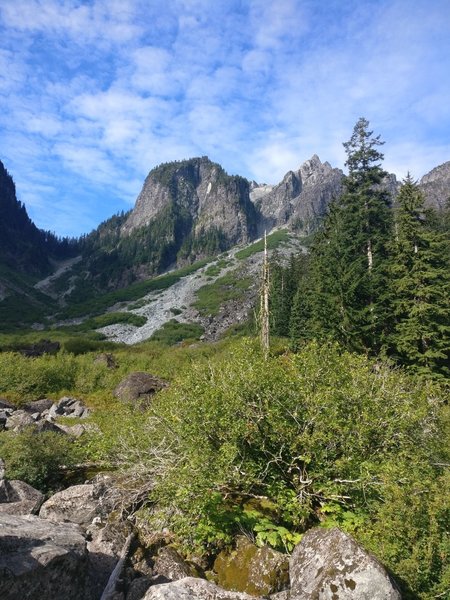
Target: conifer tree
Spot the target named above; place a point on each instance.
(351, 255)
(420, 286)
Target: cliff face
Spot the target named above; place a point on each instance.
(436, 186)
(301, 199)
(203, 194)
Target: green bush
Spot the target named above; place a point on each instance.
(173, 332)
(31, 378)
(37, 458)
(322, 435)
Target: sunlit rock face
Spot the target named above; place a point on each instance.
(436, 186)
(202, 194)
(301, 199)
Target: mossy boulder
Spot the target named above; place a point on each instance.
(256, 571)
(139, 387)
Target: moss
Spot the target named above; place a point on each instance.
(253, 570)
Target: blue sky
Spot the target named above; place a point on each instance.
(94, 94)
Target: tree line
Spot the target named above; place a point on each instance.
(377, 277)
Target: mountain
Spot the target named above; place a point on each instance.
(301, 199)
(203, 195)
(436, 186)
(187, 211)
(26, 255)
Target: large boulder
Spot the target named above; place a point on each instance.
(39, 559)
(19, 498)
(329, 565)
(191, 588)
(139, 387)
(19, 420)
(68, 407)
(171, 565)
(38, 406)
(79, 504)
(257, 571)
(105, 545)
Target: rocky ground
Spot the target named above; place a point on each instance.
(161, 306)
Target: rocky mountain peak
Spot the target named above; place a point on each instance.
(436, 185)
(201, 194)
(300, 200)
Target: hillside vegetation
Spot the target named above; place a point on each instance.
(343, 421)
(268, 447)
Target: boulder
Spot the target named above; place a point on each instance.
(191, 588)
(19, 420)
(106, 359)
(5, 414)
(104, 546)
(39, 348)
(42, 425)
(329, 564)
(38, 406)
(39, 559)
(19, 498)
(139, 386)
(257, 571)
(73, 430)
(68, 407)
(78, 504)
(138, 588)
(170, 565)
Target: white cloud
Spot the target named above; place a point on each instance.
(100, 91)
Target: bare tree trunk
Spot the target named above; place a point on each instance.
(264, 312)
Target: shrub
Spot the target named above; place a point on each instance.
(321, 435)
(37, 458)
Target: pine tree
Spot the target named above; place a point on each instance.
(351, 255)
(420, 286)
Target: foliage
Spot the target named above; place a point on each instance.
(37, 458)
(273, 241)
(31, 378)
(420, 287)
(110, 318)
(173, 332)
(211, 297)
(319, 434)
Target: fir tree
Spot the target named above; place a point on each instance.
(420, 286)
(351, 255)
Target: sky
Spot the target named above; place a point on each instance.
(95, 93)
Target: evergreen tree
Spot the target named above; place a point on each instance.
(420, 286)
(350, 257)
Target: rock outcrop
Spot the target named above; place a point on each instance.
(301, 199)
(330, 565)
(202, 194)
(39, 559)
(436, 186)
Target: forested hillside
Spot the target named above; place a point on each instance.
(23, 246)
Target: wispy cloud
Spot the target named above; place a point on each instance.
(94, 93)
